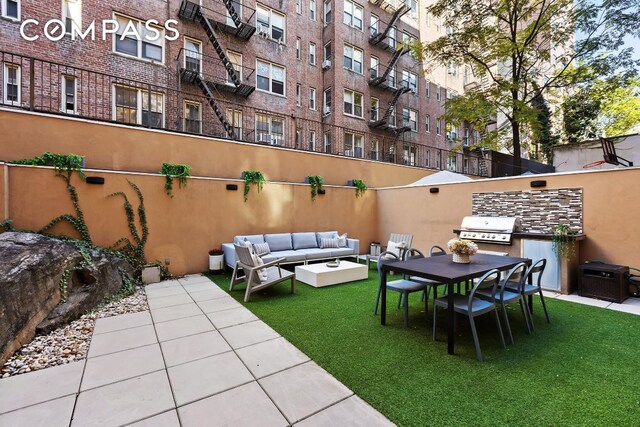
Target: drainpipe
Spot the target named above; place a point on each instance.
(6, 190)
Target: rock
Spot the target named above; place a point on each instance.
(30, 273)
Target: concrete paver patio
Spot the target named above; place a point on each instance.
(197, 358)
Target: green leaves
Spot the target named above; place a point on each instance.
(316, 182)
(171, 171)
(252, 177)
(63, 163)
(361, 187)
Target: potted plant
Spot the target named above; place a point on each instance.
(462, 250)
(252, 177)
(316, 182)
(361, 187)
(564, 241)
(171, 171)
(216, 259)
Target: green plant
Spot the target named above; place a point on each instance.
(315, 181)
(7, 225)
(133, 252)
(564, 241)
(171, 171)
(252, 177)
(63, 163)
(361, 187)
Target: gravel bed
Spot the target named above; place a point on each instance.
(71, 342)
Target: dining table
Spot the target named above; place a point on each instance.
(443, 270)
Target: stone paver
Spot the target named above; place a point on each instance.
(351, 412)
(584, 300)
(196, 358)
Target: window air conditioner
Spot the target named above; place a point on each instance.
(264, 137)
(326, 110)
(326, 64)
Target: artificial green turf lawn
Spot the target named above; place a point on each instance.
(582, 369)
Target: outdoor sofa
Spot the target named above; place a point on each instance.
(294, 247)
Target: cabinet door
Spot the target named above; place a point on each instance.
(536, 249)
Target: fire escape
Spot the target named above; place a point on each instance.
(234, 25)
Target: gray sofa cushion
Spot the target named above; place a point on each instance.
(279, 242)
(290, 256)
(304, 240)
(255, 238)
(341, 252)
(316, 253)
(326, 235)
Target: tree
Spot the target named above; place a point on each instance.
(524, 49)
(542, 130)
(580, 116)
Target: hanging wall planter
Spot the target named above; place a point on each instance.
(252, 177)
(171, 171)
(316, 182)
(361, 187)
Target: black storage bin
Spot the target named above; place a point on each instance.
(603, 281)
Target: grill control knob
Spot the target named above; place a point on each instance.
(504, 237)
(493, 237)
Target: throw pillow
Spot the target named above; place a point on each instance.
(342, 241)
(396, 249)
(261, 249)
(328, 243)
(262, 272)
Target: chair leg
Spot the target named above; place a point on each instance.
(435, 317)
(293, 284)
(499, 326)
(544, 307)
(375, 311)
(422, 297)
(406, 310)
(475, 338)
(399, 299)
(426, 301)
(525, 314)
(506, 320)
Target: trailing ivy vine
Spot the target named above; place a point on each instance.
(134, 252)
(361, 187)
(252, 177)
(564, 241)
(171, 171)
(316, 182)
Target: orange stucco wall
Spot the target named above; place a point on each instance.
(113, 147)
(611, 202)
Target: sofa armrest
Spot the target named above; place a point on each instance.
(229, 254)
(355, 245)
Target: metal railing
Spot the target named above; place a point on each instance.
(50, 87)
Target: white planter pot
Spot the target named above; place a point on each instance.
(150, 275)
(216, 262)
(461, 258)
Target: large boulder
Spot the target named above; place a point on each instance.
(30, 273)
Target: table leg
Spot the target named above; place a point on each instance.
(450, 319)
(383, 291)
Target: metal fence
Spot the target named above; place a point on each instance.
(44, 86)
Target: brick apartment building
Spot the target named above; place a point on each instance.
(331, 76)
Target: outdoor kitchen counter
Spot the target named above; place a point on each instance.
(536, 236)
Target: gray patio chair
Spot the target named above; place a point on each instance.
(530, 290)
(395, 238)
(472, 307)
(246, 271)
(517, 276)
(414, 253)
(405, 287)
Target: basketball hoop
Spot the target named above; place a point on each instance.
(592, 164)
(610, 155)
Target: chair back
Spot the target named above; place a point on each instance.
(538, 267)
(243, 255)
(397, 238)
(386, 257)
(413, 253)
(489, 280)
(518, 275)
(436, 250)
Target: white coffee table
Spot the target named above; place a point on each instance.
(319, 275)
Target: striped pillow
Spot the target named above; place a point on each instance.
(328, 243)
(261, 249)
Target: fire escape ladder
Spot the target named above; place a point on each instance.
(233, 13)
(204, 87)
(394, 101)
(378, 37)
(394, 60)
(208, 28)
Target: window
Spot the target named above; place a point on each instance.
(298, 7)
(409, 156)
(192, 55)
(69, 95)
(373, 154)
(465, 138)
(466, 77)
(392, 77)
(270, 129)
(452, 163)
(312, 99)
(327, 51)
(373, 69)
(143, 47)
(353, 14)
(413, 11)
(326, 142)
(375, 108)
(326, 103)
(410, 118)
(236, 61)
(135, 106)
(270, 22)
(428, 86)
(12, 84)
(392, 37)
(452, 69)
(234, 117)
(465, 165)
(312, 10)
(373, 25)
(237, 5)
(353, 145)
(327, 11)
(11, 9)
(352, 103)
(438, 94)
(427, 155)
(312, 140)
(392, 116)
(192, 117)
(298, 54)
(427, 123)
(312, 53)
(352, 58)
(270, 77)
(410, 80)
(452, 132)
(438, 127)
(72, 14)
(298, 94)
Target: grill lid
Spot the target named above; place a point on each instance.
(492, 224)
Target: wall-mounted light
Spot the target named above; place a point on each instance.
(434, 190)
(538, 183)
(232, 187)
(95, 180)
(322, 191)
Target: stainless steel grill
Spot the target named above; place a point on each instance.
(489, 229)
